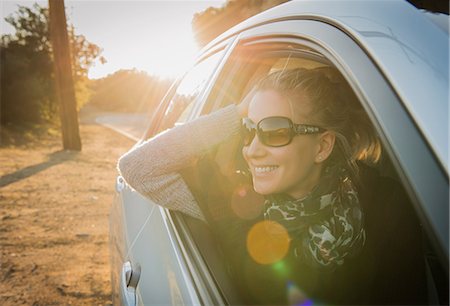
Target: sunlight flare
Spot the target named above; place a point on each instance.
(268, 242)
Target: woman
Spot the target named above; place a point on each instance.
(303, 132)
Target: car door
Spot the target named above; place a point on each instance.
(312, 43)
(147, 263)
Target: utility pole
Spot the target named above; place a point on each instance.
(63, 76)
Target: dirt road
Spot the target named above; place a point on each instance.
(54, 208)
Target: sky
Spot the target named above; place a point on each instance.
(151, 36)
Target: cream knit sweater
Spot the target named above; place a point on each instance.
(152, 167)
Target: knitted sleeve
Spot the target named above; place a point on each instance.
(151, 168)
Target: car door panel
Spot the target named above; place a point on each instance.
(150, 245)
(165, 276)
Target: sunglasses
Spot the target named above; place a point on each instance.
(275, 131)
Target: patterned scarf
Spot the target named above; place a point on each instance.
(326, 225)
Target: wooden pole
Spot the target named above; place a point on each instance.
(63, 76)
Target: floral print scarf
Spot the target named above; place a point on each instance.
(326, 226)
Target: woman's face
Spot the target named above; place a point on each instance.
(290, 169)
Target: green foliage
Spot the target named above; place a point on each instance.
(83, 54)
(83, 90)
(27, 93)
(129, 91)
(214, 21)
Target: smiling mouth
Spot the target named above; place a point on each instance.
(265, 169)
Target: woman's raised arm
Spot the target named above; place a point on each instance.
(152, 167)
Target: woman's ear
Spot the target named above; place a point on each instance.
(326, 145)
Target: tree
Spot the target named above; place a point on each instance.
(65, 90)
(27, 78)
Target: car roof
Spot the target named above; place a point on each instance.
(410, 49)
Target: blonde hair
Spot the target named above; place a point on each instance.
(334, 107)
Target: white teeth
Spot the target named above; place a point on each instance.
(265, 169)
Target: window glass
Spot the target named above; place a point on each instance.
(379, 273)
(189, 89)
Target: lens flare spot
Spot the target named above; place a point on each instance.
(281, 268)
(267, 242)
(246, 203)
(297, 296)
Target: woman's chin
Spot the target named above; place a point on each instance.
(263, 189)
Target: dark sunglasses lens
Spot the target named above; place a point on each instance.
(248, 132)
(275, 132)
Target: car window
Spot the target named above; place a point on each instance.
(188, 91)
(228, 185)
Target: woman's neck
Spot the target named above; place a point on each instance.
(305, 187)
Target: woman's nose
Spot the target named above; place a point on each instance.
(255, 148)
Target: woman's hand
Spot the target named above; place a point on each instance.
(243, 106)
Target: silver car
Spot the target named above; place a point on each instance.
(395, 58)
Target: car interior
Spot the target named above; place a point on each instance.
(221, 179)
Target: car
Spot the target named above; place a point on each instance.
(395, 58)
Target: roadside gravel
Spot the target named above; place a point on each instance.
(54, 208)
